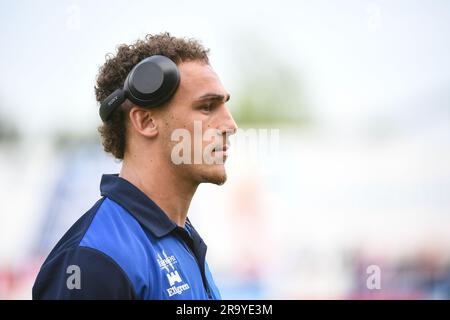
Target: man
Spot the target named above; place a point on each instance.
(136, 241)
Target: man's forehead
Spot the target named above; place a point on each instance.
(199, 78)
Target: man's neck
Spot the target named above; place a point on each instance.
(161, 185)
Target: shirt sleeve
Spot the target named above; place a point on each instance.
(82, 273)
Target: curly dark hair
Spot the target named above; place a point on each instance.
(112, 76)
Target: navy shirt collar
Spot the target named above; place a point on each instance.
(137, 203)
(151, 216)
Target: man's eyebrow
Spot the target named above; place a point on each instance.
(214, 96)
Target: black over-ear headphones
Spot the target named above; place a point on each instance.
(149, 84)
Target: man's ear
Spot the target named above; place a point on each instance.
(143, 121)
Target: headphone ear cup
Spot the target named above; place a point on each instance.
(152, 81)
(114, 100)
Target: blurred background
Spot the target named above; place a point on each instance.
(353, 97)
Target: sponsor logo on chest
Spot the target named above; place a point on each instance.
(175, 282)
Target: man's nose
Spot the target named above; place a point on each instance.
(228, 125)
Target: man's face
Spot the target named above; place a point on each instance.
(198, 109)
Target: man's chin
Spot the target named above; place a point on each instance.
(215, 174)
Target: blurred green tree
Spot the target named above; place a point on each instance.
(269, 91)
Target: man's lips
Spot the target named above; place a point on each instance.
(221, 151)
(221, 148)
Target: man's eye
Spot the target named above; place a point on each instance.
(206, 107)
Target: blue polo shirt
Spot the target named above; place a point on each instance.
(125, 247)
